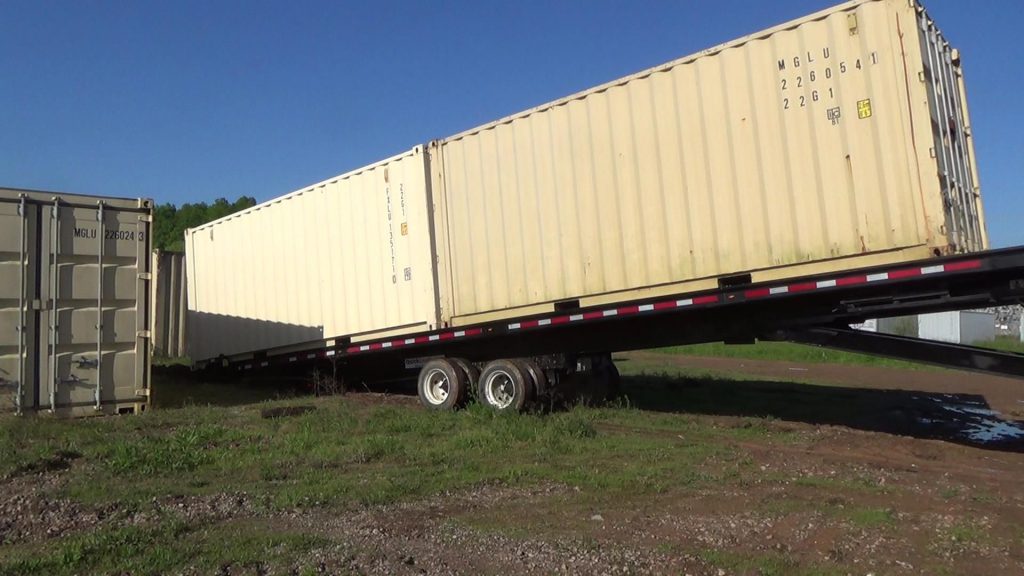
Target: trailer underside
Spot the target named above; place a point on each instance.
(815, 310)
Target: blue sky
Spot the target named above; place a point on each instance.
(191, 100)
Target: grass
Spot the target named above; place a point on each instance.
(342, 454)
(768, 564)
(346, 452)
(176, 386)
(1004, 343)
(871, 517)
(969, 533)
(800, 353)
(163, 548)
(788, 352)
(859, 484)
(866, 517)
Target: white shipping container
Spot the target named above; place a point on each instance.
(348, 257)
(958, 327)
(74, 303)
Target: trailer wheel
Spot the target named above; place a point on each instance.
(601, 384)
(442, 384)
(471, 371)
(614, 381)
(505, 386)
(537, 377)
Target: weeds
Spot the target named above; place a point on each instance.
(328, 384)
(871, 517)
(181, 451)
(163, 548)
(788, 352)
(769, 564)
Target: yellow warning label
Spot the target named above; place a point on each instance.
(405, 228)
(864, 109)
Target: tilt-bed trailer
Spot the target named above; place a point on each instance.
(513, 362)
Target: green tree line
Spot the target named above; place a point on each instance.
(170, 221)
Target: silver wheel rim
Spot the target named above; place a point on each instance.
(436, 386)
(500, 389)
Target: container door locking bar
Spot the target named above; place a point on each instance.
(99, 304)
(23, 303)
(957, 356)
(55, 305)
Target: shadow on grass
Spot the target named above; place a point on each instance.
(177, 386)
(961, 418)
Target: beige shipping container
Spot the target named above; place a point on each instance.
(837, 140)
(74, 303)
(348, 257)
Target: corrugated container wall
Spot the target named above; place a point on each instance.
(169, 304)
(835, 141)
(838, 140)
(349, 256)
(958, 327)
(74, 303)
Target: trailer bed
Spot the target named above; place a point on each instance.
(737, 311)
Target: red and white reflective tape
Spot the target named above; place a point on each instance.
(863, 279)
(753, 293)
(417, 340)
(620, 311)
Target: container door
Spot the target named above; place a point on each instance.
(953, 148)
(17, 288)
(95, 299)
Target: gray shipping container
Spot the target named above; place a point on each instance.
(74, 303)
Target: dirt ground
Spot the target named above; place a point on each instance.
(893, 472)
(886, 471)
(962, 407)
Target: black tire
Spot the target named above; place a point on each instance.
(614, 381)
(505, 386)
(472, 375)
(537, 378)
(601, 384)
(441, 384)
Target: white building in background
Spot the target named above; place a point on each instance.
(957, 327)
(960, 327)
